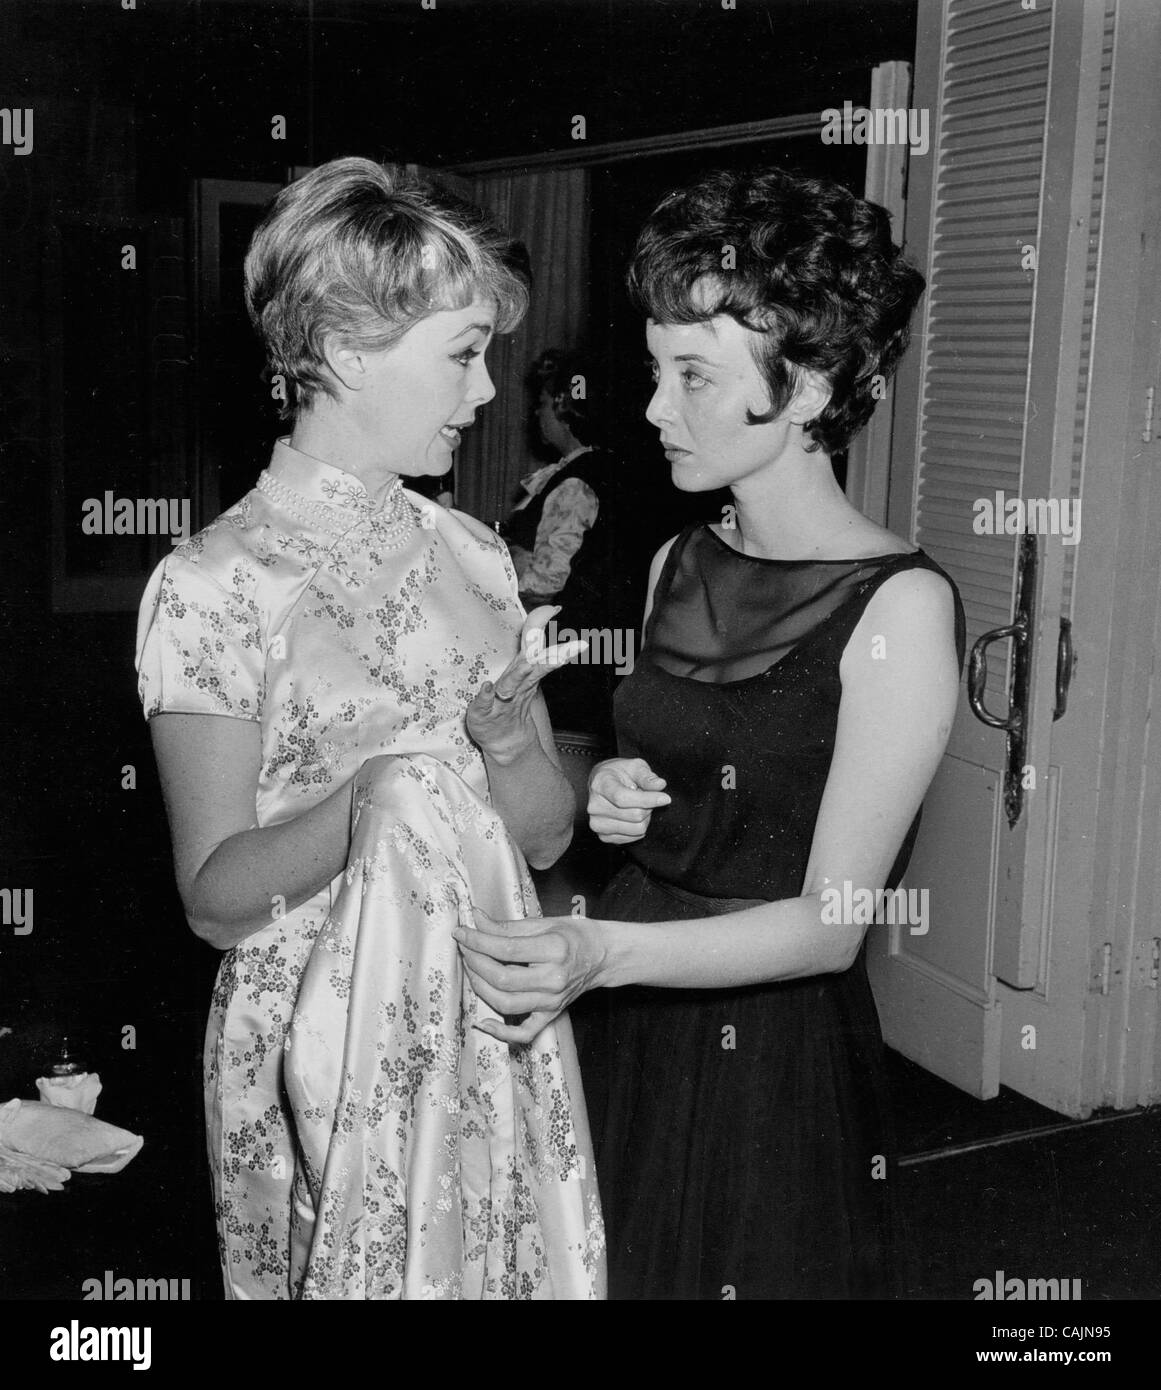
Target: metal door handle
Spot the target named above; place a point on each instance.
(1015, 722)
(978, 676)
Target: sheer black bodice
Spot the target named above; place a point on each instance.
(734, 700)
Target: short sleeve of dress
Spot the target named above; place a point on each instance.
(200, 644)
(512, 583)
(491, 541)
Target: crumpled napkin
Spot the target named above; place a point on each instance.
(76, 1092)
(19, 1170)
(40, 1143)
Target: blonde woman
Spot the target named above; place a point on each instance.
(354, 752)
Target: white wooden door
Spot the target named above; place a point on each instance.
(1005, 218)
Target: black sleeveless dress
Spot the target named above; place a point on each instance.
(743, 1142)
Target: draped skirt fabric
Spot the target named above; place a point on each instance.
(743, 1136)
(431, 1160)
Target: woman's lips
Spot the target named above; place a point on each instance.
(452, 433)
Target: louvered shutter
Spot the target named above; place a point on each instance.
(980, 298)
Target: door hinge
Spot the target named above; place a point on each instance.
(1147, 963)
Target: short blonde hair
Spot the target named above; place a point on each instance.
(364, 252)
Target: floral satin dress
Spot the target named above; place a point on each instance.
(365, 1140)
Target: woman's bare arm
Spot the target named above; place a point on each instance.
(233, 877)
(532, 795)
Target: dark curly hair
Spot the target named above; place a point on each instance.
(813, 270)
(554, 371)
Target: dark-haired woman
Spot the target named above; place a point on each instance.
(788, 710)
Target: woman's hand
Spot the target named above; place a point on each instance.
(499, 719)
(537, 967)
(623, 794)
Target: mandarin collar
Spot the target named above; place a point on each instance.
(327, 496)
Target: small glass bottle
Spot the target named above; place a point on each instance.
(66, 1064)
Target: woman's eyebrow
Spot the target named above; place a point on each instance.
(696, 357)
(471, 328)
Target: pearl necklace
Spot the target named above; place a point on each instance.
(392, 524)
